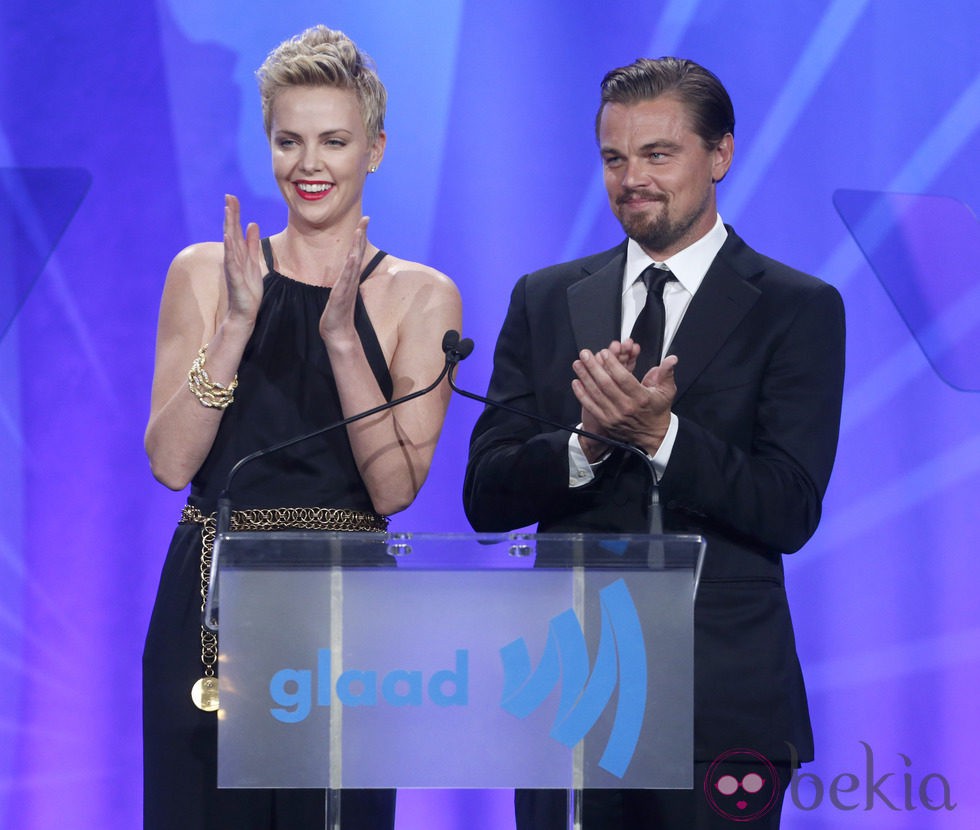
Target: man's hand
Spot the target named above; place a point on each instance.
(616, 404)
(626, 352)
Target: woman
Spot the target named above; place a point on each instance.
(263, 339)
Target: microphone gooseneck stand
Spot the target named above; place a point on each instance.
(656, 548)
(450, 341)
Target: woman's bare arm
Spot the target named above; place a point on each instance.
(211, 296)
(394, 449)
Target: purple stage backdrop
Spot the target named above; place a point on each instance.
(123, 124)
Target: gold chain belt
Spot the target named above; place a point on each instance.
(298, 518)
(205, 691)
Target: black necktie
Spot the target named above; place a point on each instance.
(648, 330)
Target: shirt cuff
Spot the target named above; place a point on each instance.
(580, 472)
(662, 455)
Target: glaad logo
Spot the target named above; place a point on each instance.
(297, 690)
(621, 656)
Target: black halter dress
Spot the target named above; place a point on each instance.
(285, 388)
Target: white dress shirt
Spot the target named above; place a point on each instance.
(689, 266)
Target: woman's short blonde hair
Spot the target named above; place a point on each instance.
(324, 57)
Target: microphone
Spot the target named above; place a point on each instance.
(464, 347)
(455, 351)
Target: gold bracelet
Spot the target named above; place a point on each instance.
(208, 392)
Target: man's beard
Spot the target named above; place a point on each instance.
(657, 233)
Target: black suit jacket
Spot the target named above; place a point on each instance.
(759, 384)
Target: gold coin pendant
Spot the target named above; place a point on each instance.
(205, 694)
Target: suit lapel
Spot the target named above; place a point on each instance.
(595, 304)
(722, 301)
(724, 298)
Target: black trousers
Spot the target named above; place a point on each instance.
(737, 796)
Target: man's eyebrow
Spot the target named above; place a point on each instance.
(650, 146)
(660, 144)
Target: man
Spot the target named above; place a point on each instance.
(741, 419)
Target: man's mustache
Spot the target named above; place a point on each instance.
(649, 195)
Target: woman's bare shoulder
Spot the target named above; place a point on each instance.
(201, 258)
(417, 275)
(195, 281)
(409, 301)
(199, 266)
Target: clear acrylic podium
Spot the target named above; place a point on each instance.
(357, 660)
